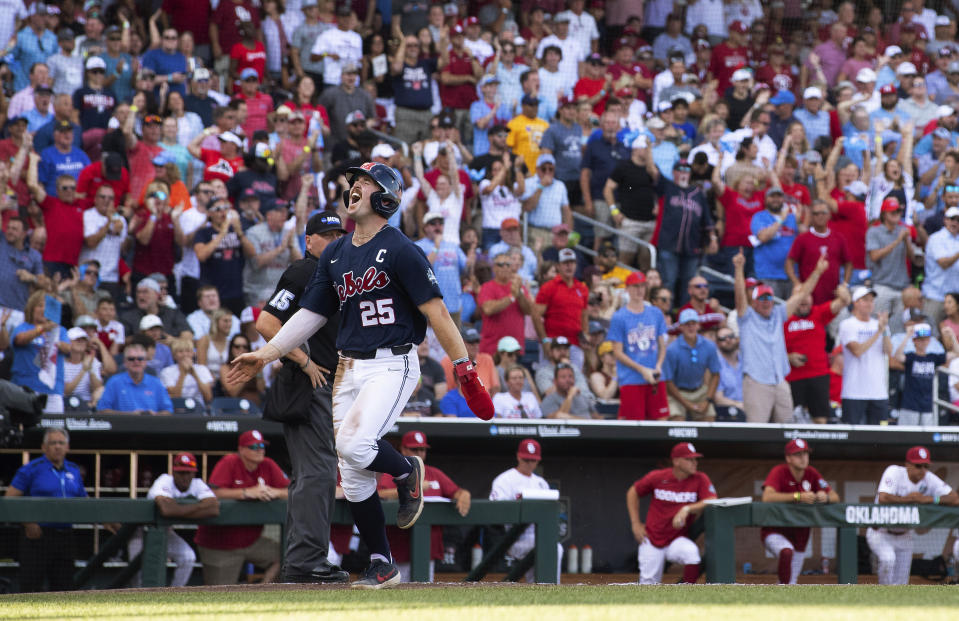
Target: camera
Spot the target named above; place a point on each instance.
(20, 409)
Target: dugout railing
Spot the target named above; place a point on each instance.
(721, 522)
(544, 514)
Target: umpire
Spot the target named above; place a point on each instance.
(310, 443)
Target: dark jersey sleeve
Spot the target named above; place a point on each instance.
(286, 298)
(415, 274)
(319, 295)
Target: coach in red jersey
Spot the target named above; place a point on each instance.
(677, 493)
(797, 482)
(805, 333)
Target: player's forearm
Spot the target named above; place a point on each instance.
(297, 330)
(444, 328)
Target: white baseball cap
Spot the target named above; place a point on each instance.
(907, 68)
(95, 62)
(742, 74)
(812, 93)
(77, 333)
(861, 292)
(383, 150)
(150, 321)
(231, 137)
(952, 212)
(893, 50)
(866, 75)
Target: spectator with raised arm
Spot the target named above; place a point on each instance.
(865, 375)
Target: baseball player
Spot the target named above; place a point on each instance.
(383, 286)
(164, 492)
(438, 485)
(797, 482)
(677, 493)
(911, 484)
(510, 485)
(310, 443)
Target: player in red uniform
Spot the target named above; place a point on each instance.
(677, 493)
(437, 485)
(797, 482)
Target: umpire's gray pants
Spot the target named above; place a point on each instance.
(313, 486)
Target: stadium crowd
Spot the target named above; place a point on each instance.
(161, 165)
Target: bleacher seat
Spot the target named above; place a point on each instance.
(187, 406)
(233, 406)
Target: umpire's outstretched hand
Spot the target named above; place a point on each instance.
(245, 367)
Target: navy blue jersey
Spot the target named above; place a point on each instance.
(377, 288)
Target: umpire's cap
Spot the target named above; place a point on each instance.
(324, 222)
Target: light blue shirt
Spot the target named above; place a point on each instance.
(449, 265)
(510, 90)
(665, 154)
(762, 346)
(940, 281)
(549, 209)
(31, 49)
(731, 379)
(686, 366)
(122, 395)
(553, 86)
(816, 125)
(641, 335)
(770, 257)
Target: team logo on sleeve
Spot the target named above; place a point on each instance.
(371, 280)
(431, 276)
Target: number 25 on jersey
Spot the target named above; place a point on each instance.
(379, 313)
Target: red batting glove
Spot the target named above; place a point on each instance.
(476, 395)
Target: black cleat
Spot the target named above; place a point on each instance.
(379, 575)
(410, 492)
(327, 574)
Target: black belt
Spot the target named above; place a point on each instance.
(397, 350)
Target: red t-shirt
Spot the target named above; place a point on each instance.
(807, 336)
(64, 222)
(586, 88)
(215, 166)
(437, 484)
(459, 96)
(564, 308)
(805, 252)
(738, 211)
(142, 170)
(508, 322)
(725, 61)
(796, 194)
(308, 110)
(247, 58)
(228, 16)
(780, 478)
(157, 256)
(708, 319)
(850, 222)
(257, 107)
(669, 495)
(230, 473)
(91, 178)
(783, 79)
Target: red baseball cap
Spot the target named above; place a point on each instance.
(635, 278)
(797, 445)
(529, 449)
(509, 223)
(762, 290)
(888, 89)
(738, 26)
(890, 204)
(184, 462)
(566, 101)
(251, 437)
(414, 439)
(752, 282)
(625, 92)
(918, 455)
(472, 20)
(457, 28)
(684, 449)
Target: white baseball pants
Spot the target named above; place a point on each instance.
(368, 397)
(894, 553)
(776, 543)
(177, 549)
(680, 550)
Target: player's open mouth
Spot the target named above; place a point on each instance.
(355, 197)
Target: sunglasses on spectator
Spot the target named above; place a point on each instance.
(953, 218)
(951, 188)
(204, 191)
(664, 300)
(220, 207)
(241, 345)
(67, 188)
(359, 124)
(114, 38)
(152, 119)
(547, 168)
(728, 337)
(765, 298)
(508, 353)
(820, 213)
(300, 121)
(257, 447)
(688, 168)
(700, 285)
(251, 79)
(97, 70)
(136, 358)
(170, 37)
(501, 264)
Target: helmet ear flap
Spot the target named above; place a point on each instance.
(346, 198)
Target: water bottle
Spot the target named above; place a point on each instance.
(476, 556)
(248, 571)
(572, 560)
(825, 566)
(586, 560)
(747, 568)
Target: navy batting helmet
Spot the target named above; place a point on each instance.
(385, 202)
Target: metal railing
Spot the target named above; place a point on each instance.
(605, 227)
(938, 403)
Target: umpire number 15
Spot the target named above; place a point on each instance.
(378, 313)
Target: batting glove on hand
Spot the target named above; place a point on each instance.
(476, 395)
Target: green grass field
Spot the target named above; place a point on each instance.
(516, 603)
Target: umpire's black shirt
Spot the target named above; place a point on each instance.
(286, 300)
